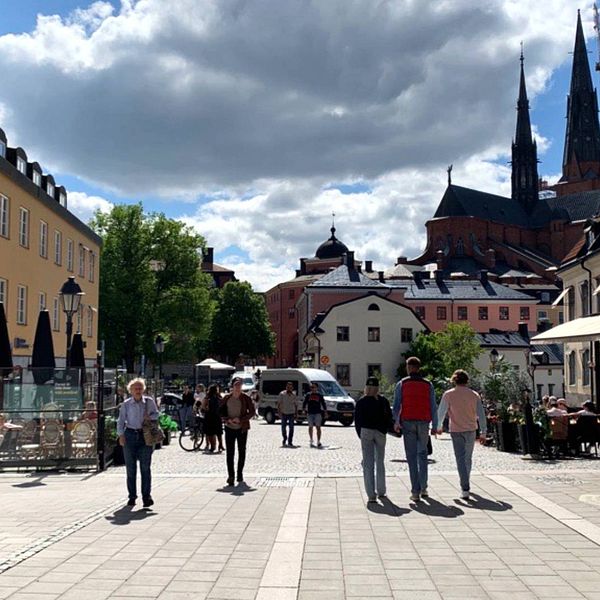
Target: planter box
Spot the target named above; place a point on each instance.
(507, 436)
(117, 455)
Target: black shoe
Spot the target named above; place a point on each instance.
(131, 502)
(240, 479)
(230, 481)
(148, 502)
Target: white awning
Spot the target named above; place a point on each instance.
(214, 365)
(584, 329)
(596, 291)
(561, 296)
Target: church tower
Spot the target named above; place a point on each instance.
(525, 182)
(581, 158)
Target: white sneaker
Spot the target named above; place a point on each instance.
(312, 444)
(464, 495)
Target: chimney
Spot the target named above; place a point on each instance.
(368, 266)
(490, 258)
(523, 330)
(418, 276)
(359, 268)
(208, 259)
(543, 325)
(302, 266)
(401, 260)
(298, 272)
(350, 259)
(439, 276)
(483, 276)
(439, 259)
(381, 276)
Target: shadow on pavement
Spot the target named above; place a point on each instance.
(238, 490)
(433, 508)
(387, 507)
(37, 481)
(477, 501)
(124, 516)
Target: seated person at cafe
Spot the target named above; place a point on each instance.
(588, 409)
(553, 409)
(90, 411)
(562, 403)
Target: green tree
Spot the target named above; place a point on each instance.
(241, 324)
(150, 283)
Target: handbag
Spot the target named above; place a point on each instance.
(153, 433)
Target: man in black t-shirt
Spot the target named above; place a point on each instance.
(316, 410)
(187, 404)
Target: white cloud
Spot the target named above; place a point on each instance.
(84, 207)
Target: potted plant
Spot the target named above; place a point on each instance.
(168, 425)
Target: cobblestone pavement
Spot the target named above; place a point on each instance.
(522, 536)
(341, 455)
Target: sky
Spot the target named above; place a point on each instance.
(254, 121)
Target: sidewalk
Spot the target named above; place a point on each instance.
(530, 535)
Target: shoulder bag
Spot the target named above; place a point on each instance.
(153, 433)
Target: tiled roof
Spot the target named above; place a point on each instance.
(555, 353)
(343, 277)
(577, 206)
(506, 339)
(429, 289)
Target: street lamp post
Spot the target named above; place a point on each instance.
(159, 347)
(494, 356)
(70, 298)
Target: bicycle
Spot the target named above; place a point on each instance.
(191, 437)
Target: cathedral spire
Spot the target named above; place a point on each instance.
(581, 158)
(524, 152)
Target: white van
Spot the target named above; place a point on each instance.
(340, 406)
(247, 380)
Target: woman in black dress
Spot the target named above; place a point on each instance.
(213, 425)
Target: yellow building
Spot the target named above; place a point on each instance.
(41, 245)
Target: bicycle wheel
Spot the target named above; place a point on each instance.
(199, 439)
(188, 439)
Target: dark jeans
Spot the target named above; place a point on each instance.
(231, 436)
(135, 449)
(287, 420)
(416, 436)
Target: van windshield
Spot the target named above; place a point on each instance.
(330, 388)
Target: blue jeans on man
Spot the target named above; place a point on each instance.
(185, 414)
(463, 443)
(136, 450)
(416, 436)
(287, 428)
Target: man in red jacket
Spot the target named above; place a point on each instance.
(414, 409)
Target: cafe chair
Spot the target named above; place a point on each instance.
(587, 433)
(52, 439)
(83, 439)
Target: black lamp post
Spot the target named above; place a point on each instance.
(70, 298)
(159, 347)
(494, 356)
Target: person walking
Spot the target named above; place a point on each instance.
(132, 414)
(414, 409)
(465, 409)
(187, 405)
(237, 409)
(287, 406)
(213, 426)
(372, 418)
(316, 410)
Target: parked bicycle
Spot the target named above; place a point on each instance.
(191, 437)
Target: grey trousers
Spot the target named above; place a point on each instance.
(463, 443)
(373, 453)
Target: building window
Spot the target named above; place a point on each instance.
(291, 294)
(483, 313)
(572, 368)
(571, 304)
(561, 317)
(373, 307)
(545, 297)
(63, 199)
(37, 178)
(542, 314)
(406, 335)
(81, 261)
(50, 189)
(43, 239)
(3, 216)
(24, 227)
(90, 321)
(462, 313)
(55, 315)
(42, 300)
(374, 370)
(58, 247)
(442, 313)
(420, 312)
(92, 266)
(342, 374)
(343, 333)
(21, 165)
(524, 313)
(550, 386)
(291, 313)
(373, 334)
(21, 305)
(3, 285)
(79, 317)
(585, 366)
(504, 313)
(584, 290)
(69, 255)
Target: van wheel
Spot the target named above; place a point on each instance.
(270, 416)
(346, 422)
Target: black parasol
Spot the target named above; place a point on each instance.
(42, 357)
(77, 356)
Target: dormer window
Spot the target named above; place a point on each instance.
(63, 199)
(37, 178)
(50, 189)
(2, 149)
(21, 165)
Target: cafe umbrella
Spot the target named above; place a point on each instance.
(78, 357)
(42, 358)
(6, 363)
